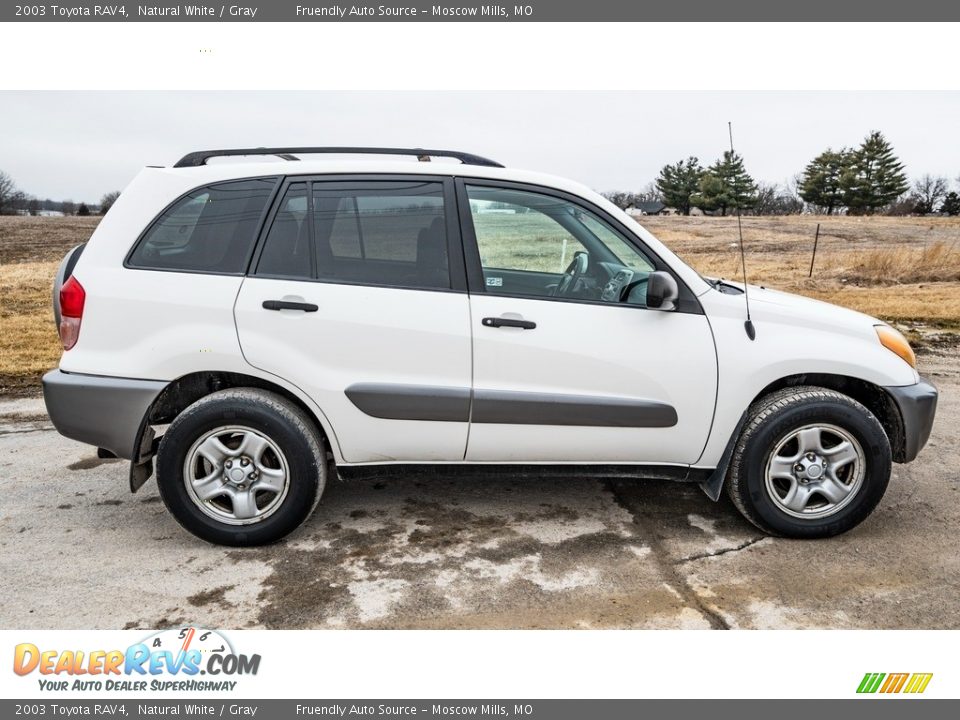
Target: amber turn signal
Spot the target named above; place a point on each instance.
(895, 342)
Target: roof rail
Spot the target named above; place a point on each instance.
(196, 159)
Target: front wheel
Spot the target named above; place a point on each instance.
(241, 467)
(810, 463)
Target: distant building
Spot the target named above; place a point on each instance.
(49, 213)
(650, 208)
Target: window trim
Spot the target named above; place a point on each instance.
(271, 199)
(456, 263)
(688, 302)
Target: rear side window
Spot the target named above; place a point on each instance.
(287, 252)
(365, 232)
(209, 230)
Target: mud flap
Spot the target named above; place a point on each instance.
(141, 467)
(713, 485)
(139, 474)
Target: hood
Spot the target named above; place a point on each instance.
(784, 307)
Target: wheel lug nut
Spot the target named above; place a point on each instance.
(229, 463)
(244, 462)
(798, 467)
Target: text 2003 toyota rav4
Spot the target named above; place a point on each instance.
(289, 320)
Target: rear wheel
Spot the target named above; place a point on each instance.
(810, 463)
(241, 467)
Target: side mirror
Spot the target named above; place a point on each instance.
(662, 291)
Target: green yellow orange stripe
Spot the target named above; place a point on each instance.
(893, 683)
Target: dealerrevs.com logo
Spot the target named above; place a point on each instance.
(168, 660)
(890, 683)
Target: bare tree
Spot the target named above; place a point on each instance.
(792, 188)
(68, 207)
(929, 192)
(766, 198)
(618, 197)
(650, 193)
(8, 193)
(624, 199)
(772, 199)
(107, 201)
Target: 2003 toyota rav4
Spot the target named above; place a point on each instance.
(283, 321)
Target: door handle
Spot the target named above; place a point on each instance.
(496, 322)
(288, 305)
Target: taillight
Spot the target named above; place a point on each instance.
(72, 297)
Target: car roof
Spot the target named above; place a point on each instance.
(232, 170)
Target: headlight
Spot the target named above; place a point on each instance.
(895, 342)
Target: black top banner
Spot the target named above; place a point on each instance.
(524, 11)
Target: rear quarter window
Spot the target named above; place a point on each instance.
(211, 229)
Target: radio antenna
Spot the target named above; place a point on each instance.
(748, 324)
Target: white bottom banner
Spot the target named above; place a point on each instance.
(183, 662)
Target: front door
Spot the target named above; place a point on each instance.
(354, 298)
(569, 363)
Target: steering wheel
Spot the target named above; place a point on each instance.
(576, 270)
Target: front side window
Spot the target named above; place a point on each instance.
(544, 246)
(209, 230)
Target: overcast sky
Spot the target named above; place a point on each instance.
(79, 145)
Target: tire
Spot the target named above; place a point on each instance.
(264, 459)
(833, 448)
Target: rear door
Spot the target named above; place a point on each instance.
(357, 296)
(569, 363)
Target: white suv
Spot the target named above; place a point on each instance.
(278, 322)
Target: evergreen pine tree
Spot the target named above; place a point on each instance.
(725, 185)
(874, 176)
(820, 183)
(951, 204)
(677, 183)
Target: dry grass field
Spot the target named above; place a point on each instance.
(904, 270)
(30, 251)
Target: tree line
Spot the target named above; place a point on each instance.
(14, 201)
(865, 180)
